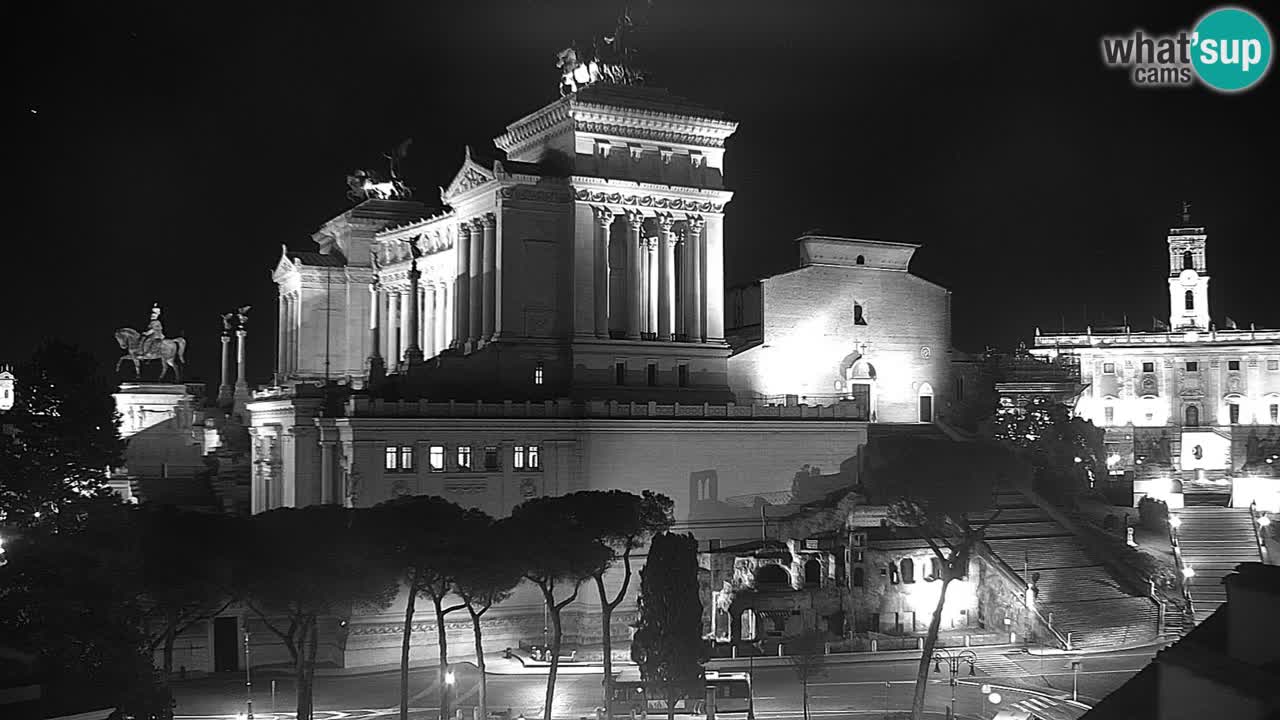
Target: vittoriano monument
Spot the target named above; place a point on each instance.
(152, 345)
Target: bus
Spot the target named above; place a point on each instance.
(732, 692)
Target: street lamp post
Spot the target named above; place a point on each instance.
(248, 678)
(448, 689)
(953, 661)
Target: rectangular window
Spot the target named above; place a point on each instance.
(1110, 414)
(534, 455)
(1275, 413)
(436, 458)
(1109, 368)
(464, 458)
(406, 458)
(959, 388)
(537, 374)
(1233, 364)
(517, 461)
(392, 458)
(682, 375)
(1193, 366)
(1273, 364)
(491, 458)
(651, 374)
(1234, 411)
(1148, 367)
(619, 373)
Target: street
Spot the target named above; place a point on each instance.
(845, 688)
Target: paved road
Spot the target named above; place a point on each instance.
(862, 689)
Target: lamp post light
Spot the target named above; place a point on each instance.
(953, 661)
(248, 679)
(449, 679)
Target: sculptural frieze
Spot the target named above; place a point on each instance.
(151, 344)
(649, 201)
(611, 60)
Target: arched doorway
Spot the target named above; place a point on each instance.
(925, 396)
(772, 576)
(860, 381)
(813, 572)
(1192, 416)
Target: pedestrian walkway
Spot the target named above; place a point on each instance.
(1213, 540)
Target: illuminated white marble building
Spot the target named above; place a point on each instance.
(1206, 388)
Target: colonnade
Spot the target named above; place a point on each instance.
(395, 310)
(667, 278)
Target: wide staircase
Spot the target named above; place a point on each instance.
(1076, 592)
(1213, 540)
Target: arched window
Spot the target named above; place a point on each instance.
(772, 575)
(1190, 300)
(1188, 261)
(893, 574)
(860, 261)
(908, 571)
(1193, 416)
(859, 577)
(935, 569)
(858, 319)
(813, 572)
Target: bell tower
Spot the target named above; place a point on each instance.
(6, 388)
(1188, 275)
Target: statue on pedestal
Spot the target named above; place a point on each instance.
(151, 345)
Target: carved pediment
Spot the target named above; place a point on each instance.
(470, 176)
(284, 266)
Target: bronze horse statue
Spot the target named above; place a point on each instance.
(165, 351)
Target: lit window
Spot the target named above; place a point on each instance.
(1233, 410)
(1109, 368)
(1233, 364)
(491, 458)
(1193, 366)
(537, 374)
(535, 458)
(527, 458)
(1148, 367)
(406, 458)
(392, 458)
(464, 458)
(398, 458)
(518, 461)
(437, 458)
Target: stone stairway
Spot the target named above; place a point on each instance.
(1213, 541)
(1206, 487)
(1076, 591)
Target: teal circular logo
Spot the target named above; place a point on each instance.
(1231, 49)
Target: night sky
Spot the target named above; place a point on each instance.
(164, 151)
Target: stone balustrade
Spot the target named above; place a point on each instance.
(365, 407)
(1200, 336)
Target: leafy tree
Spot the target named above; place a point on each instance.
(668, 643)
(69, 596)
(305, 565)
(808, 653)
(623, 522)
(941, 490)
(64, 436)
(556, 548)
(187, 572)
(1067, 453)
(426, 543)
(488, 577)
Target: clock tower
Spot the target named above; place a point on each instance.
(1188, 275)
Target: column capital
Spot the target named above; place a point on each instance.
(464, 229)
(488, 220)
(477, 225)
(635, 219)
(649, 243)
(241, 333)
(604, 215)
(666, 222)
(695, 222)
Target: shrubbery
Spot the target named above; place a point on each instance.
(1153, 513)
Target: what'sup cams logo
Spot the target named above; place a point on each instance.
(1229, 51)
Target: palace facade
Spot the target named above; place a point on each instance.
(560, 325)
(1195, 401)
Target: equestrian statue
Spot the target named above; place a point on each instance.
(151, 345)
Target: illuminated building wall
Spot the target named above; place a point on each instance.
(852, 323)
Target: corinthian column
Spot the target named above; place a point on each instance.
(413, 351)
(604, 219)
(634, 295)
(488, 223)
(461, 286)
(475, 283)
(429, 309)
(282, 334)
(666, 279)
(376, 368)
(693, 250)
(713, 239)
(651, 286)
(393, 322)
(224, 390)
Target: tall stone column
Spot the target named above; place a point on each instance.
(282, 336)
(488, 224)
(693, 248)
(461, 289)
(224, 390)
(666, 279)
(713, 282)
(241, 396)
(326, 472)
(295, 320)
(634, 296)
(376, 366)
(681, 309)
(393, 325)
(405, 317)
(604, 220)
(475, 283)
(430, 310)
(412, 298)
